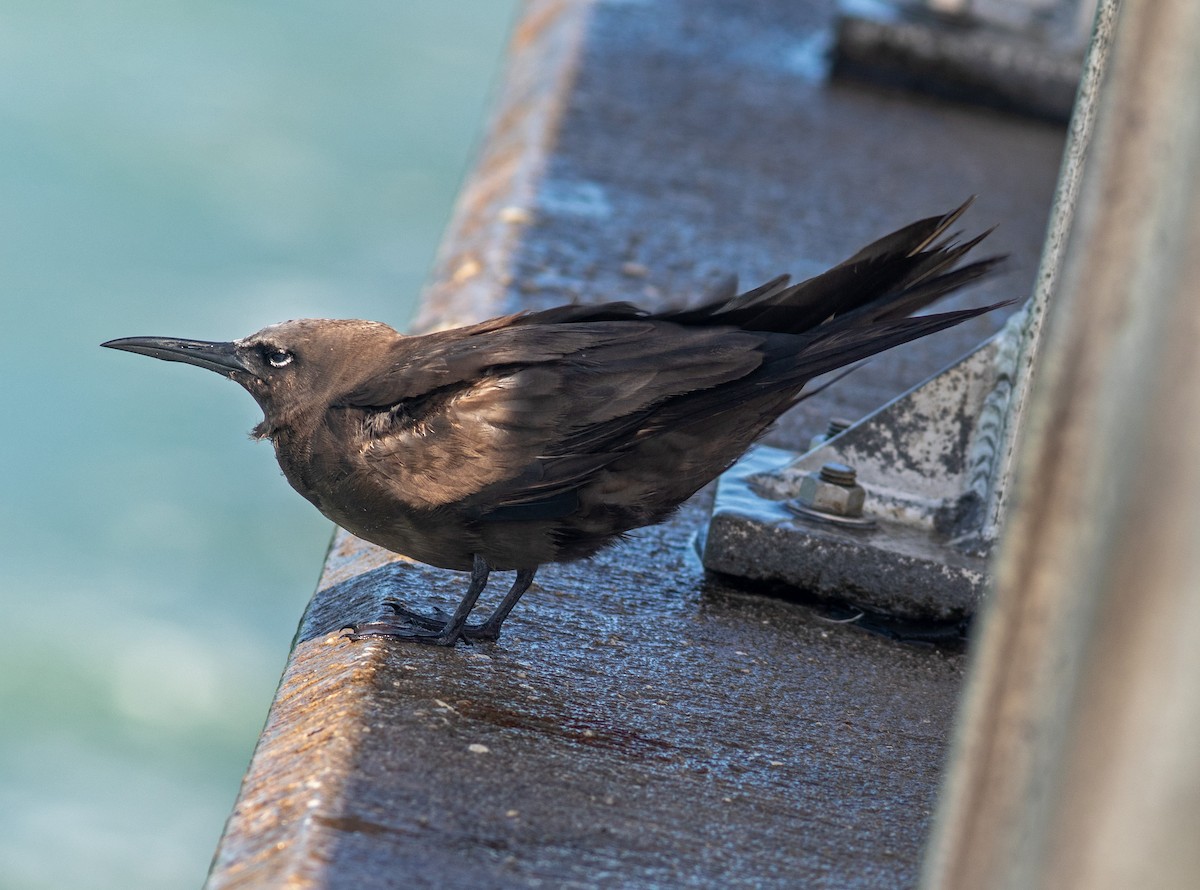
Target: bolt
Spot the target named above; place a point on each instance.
(832, 494)
(837, 425)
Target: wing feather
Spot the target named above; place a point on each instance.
(529, 412)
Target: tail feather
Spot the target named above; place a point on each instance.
(803, 331)
(854, 310)
(913, 298)
(892, 277)
(914, 237)
(854, 343)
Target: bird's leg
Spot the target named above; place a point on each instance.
(435, 631)
(479, 578)
(490, 629)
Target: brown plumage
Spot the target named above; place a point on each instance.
(544, 436)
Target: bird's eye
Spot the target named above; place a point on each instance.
(278, 358)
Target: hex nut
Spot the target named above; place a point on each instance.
(838, 498)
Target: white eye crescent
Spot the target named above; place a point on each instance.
(278, 358)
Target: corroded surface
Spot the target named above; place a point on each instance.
(640, 723)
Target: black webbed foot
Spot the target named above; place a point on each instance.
(442, 628)
(438, 620)
(408, 624)
(435, 621)
(429, 631)
(420, 629)
(436, 630)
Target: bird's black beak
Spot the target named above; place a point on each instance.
(219, 357)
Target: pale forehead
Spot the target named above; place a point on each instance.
(301, 330)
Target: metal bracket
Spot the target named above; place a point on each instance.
(925, 553)
(936, 462)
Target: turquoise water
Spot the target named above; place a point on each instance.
(196, 169)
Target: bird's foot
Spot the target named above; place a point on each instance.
(406, 624)
(481, 633)
(400, 630)
(436, 621)
(485, 631)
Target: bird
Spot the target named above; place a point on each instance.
(546, 436)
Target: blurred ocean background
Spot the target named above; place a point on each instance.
(191, 169)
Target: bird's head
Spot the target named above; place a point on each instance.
(292, 369)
